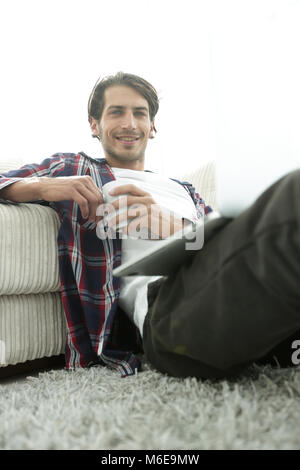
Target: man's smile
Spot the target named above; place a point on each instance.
(128, 140)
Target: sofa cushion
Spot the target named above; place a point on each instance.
(29, 253)
(31, 327)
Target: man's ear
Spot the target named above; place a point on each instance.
(94, 125)
(152, 128)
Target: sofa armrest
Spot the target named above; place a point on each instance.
(28, 249)
(204, 181)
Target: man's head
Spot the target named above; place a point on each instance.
(121, 112)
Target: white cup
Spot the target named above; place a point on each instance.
(109, 199)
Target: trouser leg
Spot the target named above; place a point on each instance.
(237, 299)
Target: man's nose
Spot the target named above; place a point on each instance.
(129, 121)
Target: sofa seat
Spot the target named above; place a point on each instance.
(29, 257)
(32, 326)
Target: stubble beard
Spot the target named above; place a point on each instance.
(123, 157)
(110, 152)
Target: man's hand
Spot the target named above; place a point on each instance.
(142, 213)
(81, 189)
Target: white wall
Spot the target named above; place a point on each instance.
(256, 77)
(226, 71)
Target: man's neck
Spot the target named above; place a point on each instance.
(129, 165)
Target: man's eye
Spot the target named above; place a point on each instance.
(137, 113)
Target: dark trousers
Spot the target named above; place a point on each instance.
(237, 301)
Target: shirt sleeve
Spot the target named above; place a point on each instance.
(50, 167)
(201, 207)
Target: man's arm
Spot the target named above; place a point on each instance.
(41, 182)
(28, 176)
(25, 190)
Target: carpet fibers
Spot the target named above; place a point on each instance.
(96, 409)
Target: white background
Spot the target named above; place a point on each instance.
(227, 73)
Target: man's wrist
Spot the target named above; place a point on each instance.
(24, 190)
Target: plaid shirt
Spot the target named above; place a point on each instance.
(98, 331)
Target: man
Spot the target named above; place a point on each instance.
(121, 114)
(237, 301)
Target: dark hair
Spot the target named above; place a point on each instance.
(96, 99)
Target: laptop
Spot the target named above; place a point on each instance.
(239, 184)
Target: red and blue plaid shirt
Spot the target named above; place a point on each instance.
(98, 331)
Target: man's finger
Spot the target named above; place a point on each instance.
(121, 218)
(129, 201)
(92, 200)
(128, 188)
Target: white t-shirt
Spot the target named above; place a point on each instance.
(169, 195)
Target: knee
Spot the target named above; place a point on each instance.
(291, 182)
(279, 202)
(290, 192)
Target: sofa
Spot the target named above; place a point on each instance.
(32, 323)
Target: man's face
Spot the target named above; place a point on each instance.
(124, 127)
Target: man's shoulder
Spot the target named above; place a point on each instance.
(78, 158)
(92, 159)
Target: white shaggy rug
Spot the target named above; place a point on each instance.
(96, 409)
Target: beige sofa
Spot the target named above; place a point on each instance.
(32, 324)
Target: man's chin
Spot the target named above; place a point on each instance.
(125, 156)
